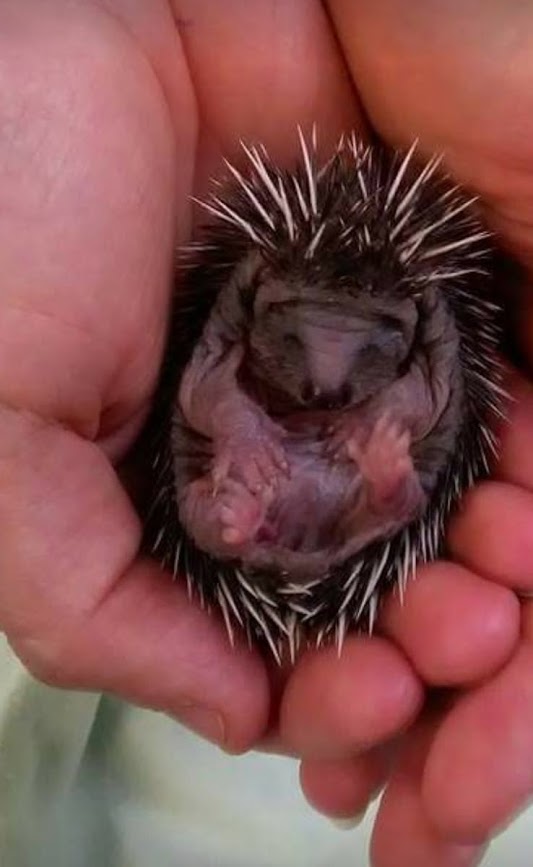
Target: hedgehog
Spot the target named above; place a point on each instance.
(330, 388)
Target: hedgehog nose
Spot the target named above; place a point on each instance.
(326, 399)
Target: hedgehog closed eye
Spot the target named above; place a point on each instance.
(292, 341)
(307, 373)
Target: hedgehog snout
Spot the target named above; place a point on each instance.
(327, 398)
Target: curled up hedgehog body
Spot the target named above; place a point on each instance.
(331, 374)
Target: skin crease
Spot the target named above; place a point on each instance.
(118, 86)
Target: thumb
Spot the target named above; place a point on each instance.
(82, 612)
(458, 76)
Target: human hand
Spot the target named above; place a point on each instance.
(87, 254)
(104, 138)
(459, 78)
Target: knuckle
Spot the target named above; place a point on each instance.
(48, 659)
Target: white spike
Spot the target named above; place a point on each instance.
(309, 172)
(261, 170)
(394, 187)
(263, 626)
(229, 598)
(201, 596)
(453, 274)
(427, 230)
(274, 616)
(374, 579)
(291, 634)
(285, 207)
(362, 183)
(227, 619)
(251, 590)
(341, 143)
(298, 609)
(423, 543)
(320, 637)
(314, 137)
(455, 245)
(176, 560)
(372, 612)
(301, 200)
(315, 241)
(159, 538)
(353, 575)
(424, 176)
(348, 597)
(225, 213)
(251, 195)
(340, 633)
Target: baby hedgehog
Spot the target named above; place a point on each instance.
(331, 375)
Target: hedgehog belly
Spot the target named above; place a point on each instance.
(293, 525)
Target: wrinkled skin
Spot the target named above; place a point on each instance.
(108, 123)
(313, 414)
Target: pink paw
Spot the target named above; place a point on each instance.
(340, 433)
(257, 459)
(384, 460)
(241, 513)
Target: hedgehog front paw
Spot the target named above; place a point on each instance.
(384, 461)
(346, 429)
(257, 460)
(241, 514)
(224, 522)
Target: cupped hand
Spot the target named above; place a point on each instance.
(458, 77)
(109, 123)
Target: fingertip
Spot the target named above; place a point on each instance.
(479, 771)
(334, 705)
(515, 464)
(404, 837)
(342, 789)
(403, 834)
(454, 626)
(501, 515)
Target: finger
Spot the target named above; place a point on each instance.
(233, 360)
(254, 476)
(342, 789)
(238, 50)
(515, 464)
(355, 451)
(403, 835)
(410, 90)
(479, 771)
(501, 515)
(334, 706)
(82, 614)
(266, 468)
(453, 626)
(279, 459)
(527, 620)
(220, 472)
(82, 328)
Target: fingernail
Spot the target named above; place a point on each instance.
(204, 721)
(351, 823)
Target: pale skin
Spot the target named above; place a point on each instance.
(111, 121)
